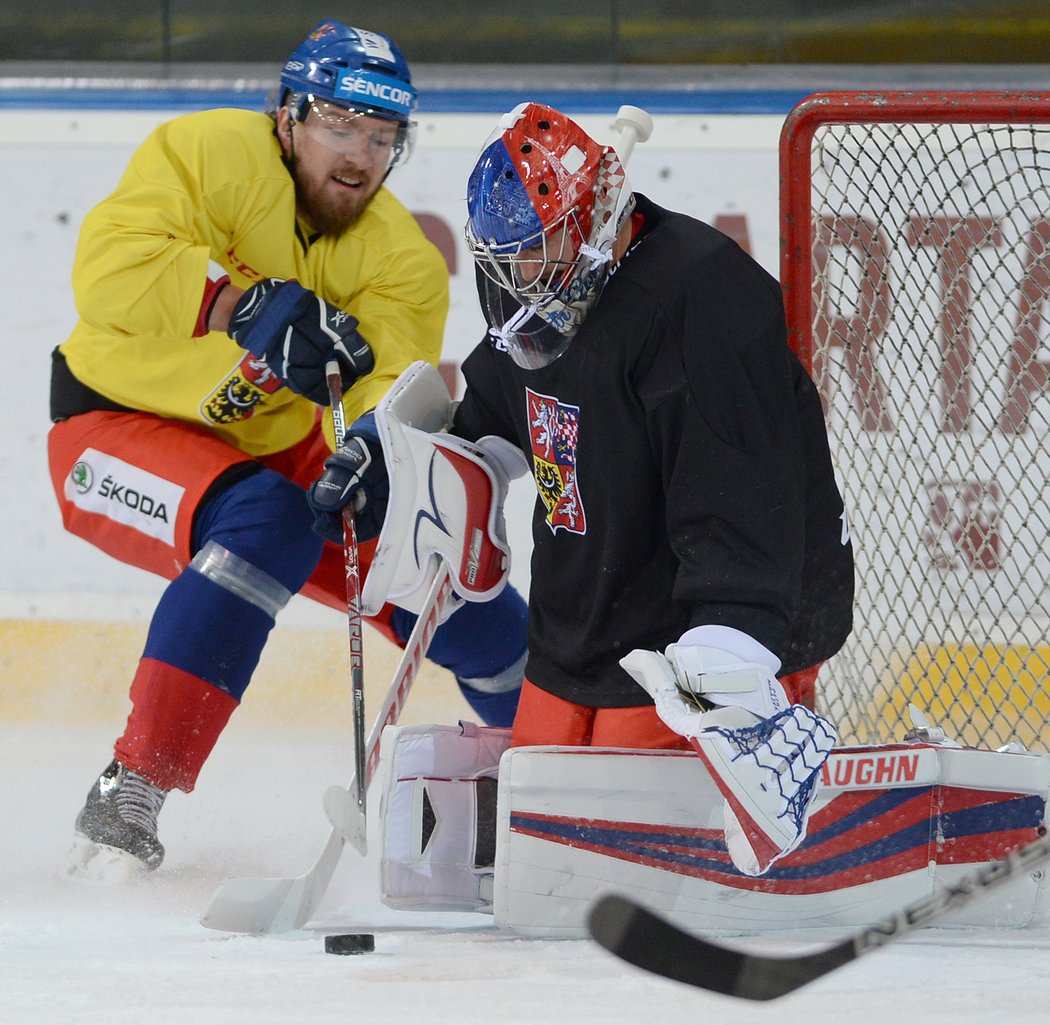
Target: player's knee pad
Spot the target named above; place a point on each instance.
(213, 620)
(241, 578)
(264, 521)
(254, 548)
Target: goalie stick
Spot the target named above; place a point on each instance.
(275, 905)
(636, 935)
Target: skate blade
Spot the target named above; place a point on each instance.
(91, 862)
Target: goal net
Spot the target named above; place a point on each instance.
(915, 231)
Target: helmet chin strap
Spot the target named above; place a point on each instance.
(504, 334)
(596, 256)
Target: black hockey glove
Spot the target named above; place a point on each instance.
(296, 332)
(355, 475)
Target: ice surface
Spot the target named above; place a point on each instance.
(135, 953)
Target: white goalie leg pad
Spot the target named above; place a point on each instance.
(446, 501)
(575, 823)
(438, 816)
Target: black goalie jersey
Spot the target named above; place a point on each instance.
(682, 467)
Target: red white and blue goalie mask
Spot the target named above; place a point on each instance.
(545, 203)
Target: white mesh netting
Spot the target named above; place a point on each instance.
(931, 279)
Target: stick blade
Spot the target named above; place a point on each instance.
(345, 815)
(255, 906)
(639, 937)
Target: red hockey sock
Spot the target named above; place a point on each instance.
(175, 721)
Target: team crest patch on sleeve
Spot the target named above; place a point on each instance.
(237, 395)
(554, 429)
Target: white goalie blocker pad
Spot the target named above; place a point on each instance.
(438, 815)
(446, 499)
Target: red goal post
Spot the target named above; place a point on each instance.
(915, 262)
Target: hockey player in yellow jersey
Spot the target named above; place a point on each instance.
(238, 254)
(139, 340)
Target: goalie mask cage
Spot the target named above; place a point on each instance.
(915, 261)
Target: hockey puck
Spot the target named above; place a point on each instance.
(350, 943)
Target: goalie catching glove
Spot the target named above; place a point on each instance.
(717, 688)
(295, 333)
(355, 475)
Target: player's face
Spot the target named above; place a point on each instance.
(340, 159)
(540, 268)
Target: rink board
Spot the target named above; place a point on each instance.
(890, 825)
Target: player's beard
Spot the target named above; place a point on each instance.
(328, 211)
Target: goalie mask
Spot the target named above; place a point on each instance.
(545, 203)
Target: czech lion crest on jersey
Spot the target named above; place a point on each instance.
(554, 429)
(237, 395)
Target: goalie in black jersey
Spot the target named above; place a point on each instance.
(692, 566)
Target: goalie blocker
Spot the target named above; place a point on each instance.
(534, 835)
(446, 500)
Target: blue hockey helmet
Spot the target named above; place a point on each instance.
(350, 67)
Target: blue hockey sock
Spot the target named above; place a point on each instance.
(484, 645)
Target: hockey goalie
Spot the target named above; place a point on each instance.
(691, 567)
(445, 507)
(533, 833)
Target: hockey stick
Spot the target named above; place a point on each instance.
(275, 905)
(353, 597)
(343, 812)
(636, 935)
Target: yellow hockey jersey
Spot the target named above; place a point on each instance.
(212, 186)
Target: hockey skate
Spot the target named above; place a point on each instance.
(116, 830)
